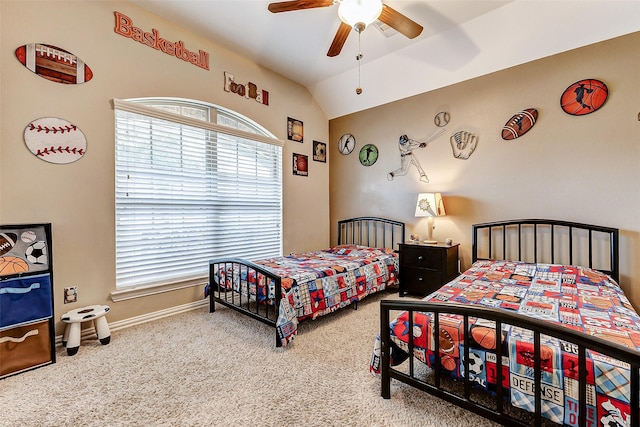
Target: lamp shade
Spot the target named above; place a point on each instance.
(352, 12)
(430, 204)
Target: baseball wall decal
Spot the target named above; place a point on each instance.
(55, 140)
(441, 119)
(52, 63)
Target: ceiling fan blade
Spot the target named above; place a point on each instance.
(339, 39)
(399, 22)
(287, 6)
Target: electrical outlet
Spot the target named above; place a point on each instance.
(70, 294)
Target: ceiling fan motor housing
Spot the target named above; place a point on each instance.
(359, 13)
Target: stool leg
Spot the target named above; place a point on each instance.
(65, 335)
(73, 343)
(102, 328)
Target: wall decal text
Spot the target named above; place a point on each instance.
(249, 90)
(124, 27)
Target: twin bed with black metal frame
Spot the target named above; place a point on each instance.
(284, 290)
(582, 370)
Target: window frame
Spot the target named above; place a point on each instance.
(249, 130)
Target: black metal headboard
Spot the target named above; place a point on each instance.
(371, 231)
(549, 241)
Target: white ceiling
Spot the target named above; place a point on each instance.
(462, 39)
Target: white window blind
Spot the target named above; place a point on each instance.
(189, 190)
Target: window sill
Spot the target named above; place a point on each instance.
(153, 289)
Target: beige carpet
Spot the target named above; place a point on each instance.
(222, 369)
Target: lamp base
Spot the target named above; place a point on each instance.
(430, 242)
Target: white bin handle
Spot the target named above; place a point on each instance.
(24, 337)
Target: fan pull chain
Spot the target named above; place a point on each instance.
(358, 58)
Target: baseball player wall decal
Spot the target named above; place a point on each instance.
(406, 146)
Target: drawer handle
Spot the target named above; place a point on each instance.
(24, 337)
(20, 290)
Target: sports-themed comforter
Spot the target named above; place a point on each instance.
(316, 283)
(575, 297)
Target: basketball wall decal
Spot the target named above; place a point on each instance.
(584, 97)
(55, 140)
(519, 124)
(52, 63)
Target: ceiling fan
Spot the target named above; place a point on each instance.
(356, 14)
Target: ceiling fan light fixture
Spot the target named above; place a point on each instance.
(359, 13)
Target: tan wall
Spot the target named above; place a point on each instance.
(584, 169)
(78, 198)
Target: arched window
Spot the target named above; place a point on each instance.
(194, 182)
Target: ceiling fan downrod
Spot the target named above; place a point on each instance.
(358, 58)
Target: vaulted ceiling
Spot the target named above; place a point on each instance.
(462, 39)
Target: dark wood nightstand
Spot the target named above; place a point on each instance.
(426, 267)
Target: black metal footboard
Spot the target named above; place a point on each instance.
(497, 409)
(229, 285)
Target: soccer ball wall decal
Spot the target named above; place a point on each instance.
(37, 253)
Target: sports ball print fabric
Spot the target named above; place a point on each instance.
(576, 297)
(316, 283)
(23, 251)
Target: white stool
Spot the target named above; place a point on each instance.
(74, 319)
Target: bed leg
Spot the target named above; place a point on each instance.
(386, 389)
(385, 358)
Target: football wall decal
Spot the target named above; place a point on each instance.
(519, 124)
(55, 64)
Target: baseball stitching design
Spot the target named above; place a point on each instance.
(47, 129)
(59, 150)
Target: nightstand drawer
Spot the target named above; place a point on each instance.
(420, 281)
(424, 267)
(421, 257)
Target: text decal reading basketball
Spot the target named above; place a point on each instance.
(124, 27)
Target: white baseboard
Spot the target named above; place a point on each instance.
(137, 320)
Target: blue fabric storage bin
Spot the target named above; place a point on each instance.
(24, 299)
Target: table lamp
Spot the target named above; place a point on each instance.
(430, 205)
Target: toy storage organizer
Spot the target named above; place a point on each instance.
(27, 334)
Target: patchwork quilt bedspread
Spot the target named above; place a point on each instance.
(316, 283)
(575, 297)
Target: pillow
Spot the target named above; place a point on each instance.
(359, 251)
